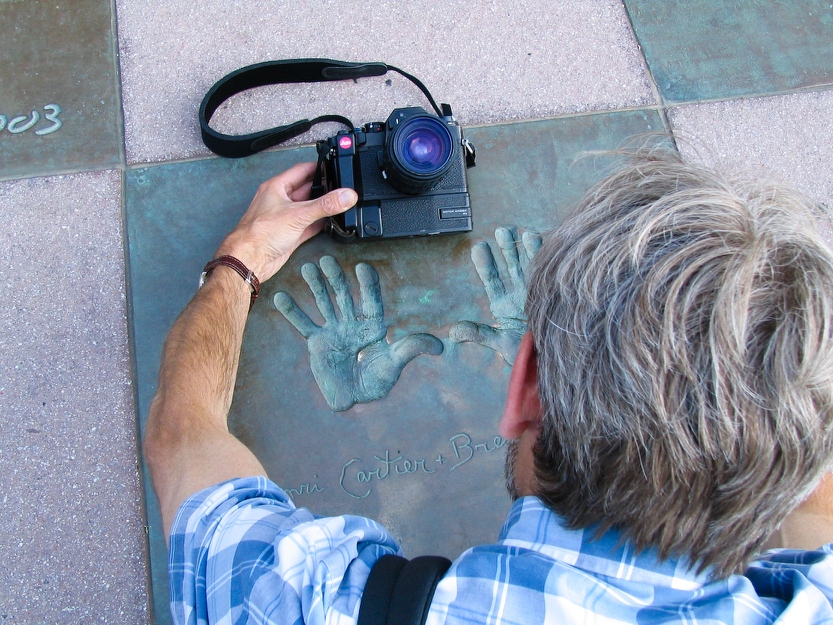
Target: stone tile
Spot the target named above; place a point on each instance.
(72, 538)
(495, 61)
(59, 105)
(527, 176)
(702, 49)
(789, 137)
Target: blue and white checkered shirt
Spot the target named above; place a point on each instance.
(241, 552)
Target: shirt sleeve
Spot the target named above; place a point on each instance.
(241, 552)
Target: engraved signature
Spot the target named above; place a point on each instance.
(388, 467)
(357, 482)
(21, 123)
(304, 489)
(464, 451)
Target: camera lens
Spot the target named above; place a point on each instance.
(424, 149)
(418, 153)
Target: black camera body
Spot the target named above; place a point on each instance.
(409, 173)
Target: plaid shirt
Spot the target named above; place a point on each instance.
(241, 552)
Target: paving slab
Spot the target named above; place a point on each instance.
(496, 61)
(59, 101)
(702, 49)
(72, 544)
(429, 443)
(789, 137)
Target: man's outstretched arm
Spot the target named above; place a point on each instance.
(187, 444)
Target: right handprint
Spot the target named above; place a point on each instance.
(506, 301)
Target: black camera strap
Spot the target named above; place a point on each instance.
(280, 72)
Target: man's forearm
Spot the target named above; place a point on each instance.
(199, 365)
(187, 443)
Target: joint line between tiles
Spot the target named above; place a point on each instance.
(660, 103)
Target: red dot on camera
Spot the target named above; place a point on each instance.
(345, 143)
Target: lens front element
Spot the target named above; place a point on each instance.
(424, 144)
(418, 153)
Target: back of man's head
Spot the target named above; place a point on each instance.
(683, 322)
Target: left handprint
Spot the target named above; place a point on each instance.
(350, 357)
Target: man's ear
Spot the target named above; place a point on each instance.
(523, 406)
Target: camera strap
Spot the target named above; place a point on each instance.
(280, 72)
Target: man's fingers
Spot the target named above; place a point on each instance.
(302, 215)
(404, 351)
(301, 194)
(329, 204)
(297, 317)
(335, 276)
(313, 278)
(294, 178)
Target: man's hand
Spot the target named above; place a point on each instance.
(280, 218)
(350, 357)
(505, 302)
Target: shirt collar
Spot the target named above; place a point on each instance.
(532, 525)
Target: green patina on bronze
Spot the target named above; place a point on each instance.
(702, 49)
(59, 105)
(412, 440)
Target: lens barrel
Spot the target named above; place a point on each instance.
(418, 153)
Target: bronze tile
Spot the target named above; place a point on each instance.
(702, 49)
(410, 458)
(59, 106)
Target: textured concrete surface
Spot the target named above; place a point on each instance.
(72, 544)
(789, 137)
(492, 61)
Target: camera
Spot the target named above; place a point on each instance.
(409, 173)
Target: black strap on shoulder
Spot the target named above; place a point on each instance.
(399, 591)
(280, 72)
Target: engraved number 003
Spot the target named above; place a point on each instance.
(17, 125)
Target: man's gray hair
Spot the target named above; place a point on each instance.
(683, 322)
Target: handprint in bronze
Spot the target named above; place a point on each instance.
(506, 298)
(350, 357)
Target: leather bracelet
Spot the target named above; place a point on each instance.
(232, 263)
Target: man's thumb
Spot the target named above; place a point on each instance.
(337, 201)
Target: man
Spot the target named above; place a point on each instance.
(671, 403)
